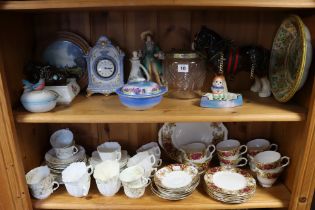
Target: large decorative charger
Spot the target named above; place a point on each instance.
(67, 53)
(291, 58)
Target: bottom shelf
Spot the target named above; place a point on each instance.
(277, 196)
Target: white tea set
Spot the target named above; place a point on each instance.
(64, 152)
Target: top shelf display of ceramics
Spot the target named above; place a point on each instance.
(100, 109)
(117, 4)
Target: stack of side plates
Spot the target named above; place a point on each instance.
(175, 181)
(57, 165)
(96, 159)
(231, 185)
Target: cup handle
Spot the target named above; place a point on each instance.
(157, 151)
(241, 164)
(245, 149)
(154, 170)
(287, 161)
(75, 150)
(148, 182)
(158, 162)
(90, 169)
(54, 183)
(211, 149)
(273, 147)
(152, 160)
(118, 156)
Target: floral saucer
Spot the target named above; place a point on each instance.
(175, 176)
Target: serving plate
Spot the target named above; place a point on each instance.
(174, 135)
(290, 59)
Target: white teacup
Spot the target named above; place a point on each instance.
(110, 151)
(231, 148)
(136, 192)
(77, 179)
(40, 182)
(152, 148)
(63, 144)
(133, 176)
(106, 175)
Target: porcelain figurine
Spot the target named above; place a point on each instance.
(138, 72)
(151, 57)
(36, 99)
(220, 97)
(251, 58)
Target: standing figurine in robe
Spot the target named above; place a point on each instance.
(152, 57)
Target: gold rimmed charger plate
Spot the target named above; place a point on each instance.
(290, 58)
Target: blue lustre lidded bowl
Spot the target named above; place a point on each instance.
(141, 95)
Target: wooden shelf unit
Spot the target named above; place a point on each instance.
(138, 4)
(277, 196)
(25, 136)
(108, 109)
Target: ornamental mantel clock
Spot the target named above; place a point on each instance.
(105, 68)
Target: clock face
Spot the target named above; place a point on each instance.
(105, 68)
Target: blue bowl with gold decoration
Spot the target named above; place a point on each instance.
(141, 95)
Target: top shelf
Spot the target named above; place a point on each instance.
(138, 4)
(102, 109)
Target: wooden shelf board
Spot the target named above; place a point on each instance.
(275, 197)
(107, 109)
(119, 4)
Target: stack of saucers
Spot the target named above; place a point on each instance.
(57, 165)
(175, 181)
(64, 152)
(96, 159)
(229, 185)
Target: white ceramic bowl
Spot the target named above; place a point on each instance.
(39, 101)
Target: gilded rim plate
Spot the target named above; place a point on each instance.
(233, 181)
(216, 131)
(290, 58)
(175, 176)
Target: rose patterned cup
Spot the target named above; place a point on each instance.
(270, 160)
(233, 162)
(267, 178)
(197, 150)
(228, 149)
(259, 145)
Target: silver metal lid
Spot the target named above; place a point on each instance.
(183, 55)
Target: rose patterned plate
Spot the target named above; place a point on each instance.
(232, 181)
(175, 176)
(173, 135)
(290, 59)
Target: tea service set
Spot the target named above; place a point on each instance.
(64, 152)
(112, 168)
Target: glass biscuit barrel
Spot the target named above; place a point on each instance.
(185, 74)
